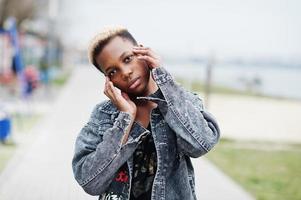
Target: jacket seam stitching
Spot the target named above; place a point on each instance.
(199, 142)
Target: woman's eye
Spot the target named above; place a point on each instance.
(112, 73)
(128, 59)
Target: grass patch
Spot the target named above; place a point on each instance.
(265, 173)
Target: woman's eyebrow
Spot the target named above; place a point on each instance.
(123, 54)
(120, 58)
(108, 69)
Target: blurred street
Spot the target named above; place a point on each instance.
(43, 170)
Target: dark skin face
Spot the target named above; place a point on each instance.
(120, 64)
(127, 67)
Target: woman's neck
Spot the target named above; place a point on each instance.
(152, 86)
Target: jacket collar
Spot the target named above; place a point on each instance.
(109, 108)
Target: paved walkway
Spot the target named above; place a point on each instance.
(42, 170)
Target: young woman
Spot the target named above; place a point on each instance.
(138, 144)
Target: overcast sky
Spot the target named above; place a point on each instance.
(250, 28)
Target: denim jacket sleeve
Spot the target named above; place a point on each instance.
(196, 129)
(99, 152)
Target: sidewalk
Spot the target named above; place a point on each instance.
(43, 170)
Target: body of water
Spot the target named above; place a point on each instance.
(273, 81)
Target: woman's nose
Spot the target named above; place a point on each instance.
(126, 72)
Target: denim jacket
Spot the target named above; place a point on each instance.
(180, 127)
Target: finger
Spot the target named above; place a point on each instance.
(106, 83)
(125, 95)
(116, 93)
(105, 92)
(140, 47)
(107, 79)
(146, 53)
(142, 51)
(111, 89)
(148, 59)
(109, 94)
(107, 88)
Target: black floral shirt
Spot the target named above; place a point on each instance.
(145, 166)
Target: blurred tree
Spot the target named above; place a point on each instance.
(21, 10)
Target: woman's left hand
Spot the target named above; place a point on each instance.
(145, 53)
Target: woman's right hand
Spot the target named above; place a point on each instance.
(120, 99)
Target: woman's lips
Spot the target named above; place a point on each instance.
(134, 83)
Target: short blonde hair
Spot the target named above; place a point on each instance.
(100, 40)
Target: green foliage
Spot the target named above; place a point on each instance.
(267, 172)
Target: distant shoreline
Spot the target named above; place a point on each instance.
(264, 81)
